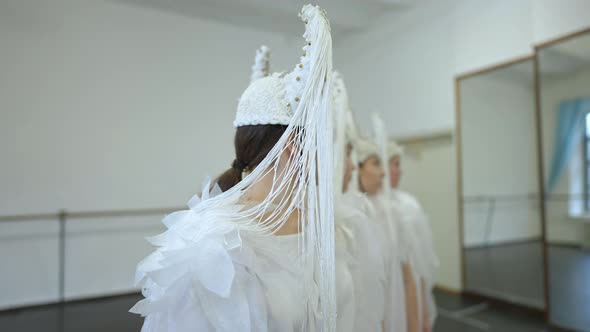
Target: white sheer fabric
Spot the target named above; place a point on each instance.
(417, 242)
(389, 237)
(355, 220)
(210, 275)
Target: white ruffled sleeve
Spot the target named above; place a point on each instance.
(200, 278)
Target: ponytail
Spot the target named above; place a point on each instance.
(252, 144)
(229, 178)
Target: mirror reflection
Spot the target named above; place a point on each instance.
(502, 237)
(564, 74)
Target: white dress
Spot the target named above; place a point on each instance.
(212, 275)
(354, 217)
(395, 318)
(345, 299)
(417, 242)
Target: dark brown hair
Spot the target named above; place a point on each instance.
(252, 144)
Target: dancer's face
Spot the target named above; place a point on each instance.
(348, 168)
(371, 175)
(395, 171)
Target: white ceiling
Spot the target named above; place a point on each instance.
(281, 15)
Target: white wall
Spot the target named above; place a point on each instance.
(373, 64)
(488, 32)
(101, 255)
(405, 66)
(429, 171)
(499, 157)
(29, 257)
(109, 106)
(555, 18)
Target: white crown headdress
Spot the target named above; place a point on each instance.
(274, 98)
(261, 67)
(394, 149)
(365, 148)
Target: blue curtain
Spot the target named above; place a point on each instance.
(570, 127)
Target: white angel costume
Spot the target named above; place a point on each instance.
(388, 238)
(210, 275)
(415, 245)
(220, 266)
(361, 277)
(417, 237)
(345, 293)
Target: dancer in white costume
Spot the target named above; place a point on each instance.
(258, 256)
(345, 294)
(359, 267)
(419, 243)
(371, 175)
(417, 262)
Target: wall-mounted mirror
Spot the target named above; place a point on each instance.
(503, 254)
(564, 95)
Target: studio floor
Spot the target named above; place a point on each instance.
(515, 273)
(456, 314)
